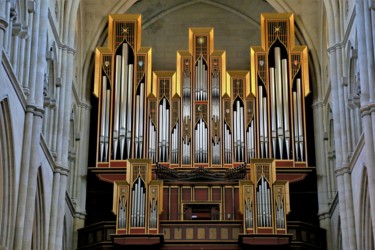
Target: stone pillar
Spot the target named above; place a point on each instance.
(54, 209)
(367, 100)
(30, 135)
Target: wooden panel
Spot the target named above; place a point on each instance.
(212, 234)
(201, 194)
(186, 194)
(165, 214)
(216, 194)
(201, 234)
(174, 204)
(228, 204)
(236, 203)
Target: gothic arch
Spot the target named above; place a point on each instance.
(38, 235)
(7, 182)
(366, 233)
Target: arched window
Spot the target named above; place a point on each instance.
(38, 228)
(366, 232)
(7, 202)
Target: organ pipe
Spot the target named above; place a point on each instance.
(285, 83)
(103, 122)
(139, 122)
(124, 95)
(116, 114)
(152, 147)
(261, 121)
(129, 113)
(279, 93)
(265, 124)
(299, 117)
(273, 110)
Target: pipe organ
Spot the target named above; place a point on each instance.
(164, 136)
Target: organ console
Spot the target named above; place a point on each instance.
(227, 140)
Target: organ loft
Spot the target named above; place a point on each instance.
(202, 154)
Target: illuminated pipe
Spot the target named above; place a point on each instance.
(279, 93)
(259, 212)
(133, 208)
(273, 110)
(166, 157)
(235, 133)
(285, 82)
(116, 115)
(106, 136)
(237, 127)
(142, 211)
(295, 124)
(261, 121)
(129, 113)
(264, 206)
(265, 124)
(205, 141)
(242, 151)
(139, 197)
(268, 209)
(102, 117)
(299, 109)
(160, 131)
(141, 112)
(252, 139)
(124, 96)
(137, 111)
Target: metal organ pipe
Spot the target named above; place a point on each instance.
(261, 121)
(124, 96)
(279, 93)
(151, 147)
(265, 124)
(299, 115)
(129, 113)
(116, 115)
(273, 110)
(284, 65)
(140, 120)
(103, 122)
(295, 119)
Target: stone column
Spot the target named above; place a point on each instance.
(37, 94)
(322, 186)
(367, 99)
(30, 135)
(54, 209)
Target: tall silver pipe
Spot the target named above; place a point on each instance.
(242, 139)
(252, 139)
(141, 113)
(238, 133)
(103, 116)
(116, 114)
(259, 206)
(295, 115)
(285, 82)
(273, 110)
(139, 197)
(124, 96)
(133, 208)
(279, 91)
(167, 135)
(106, 136)
(261, 121)
(136, 139)
(235, 134)
(299, 111)
(129, 113)
(265, 124)
(142, 211)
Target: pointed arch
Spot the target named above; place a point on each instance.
(366, 233)
(38, 235)
(7, 182)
